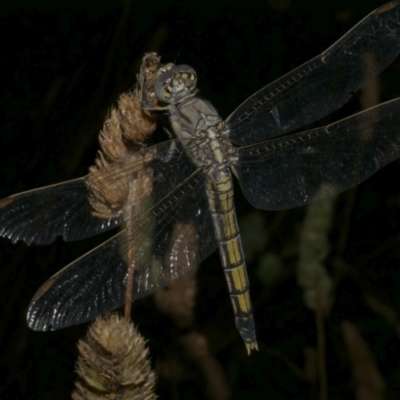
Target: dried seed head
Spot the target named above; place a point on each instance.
(113, 363)
(110, 138)
(135, 122)
(111, 183)
(147, 77)
(116, 168)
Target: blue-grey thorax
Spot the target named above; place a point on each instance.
(203, 134)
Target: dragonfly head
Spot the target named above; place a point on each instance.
(174, 82)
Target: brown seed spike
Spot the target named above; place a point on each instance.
(136, 124)
(109, 180)
(110, 138)
(113, 363)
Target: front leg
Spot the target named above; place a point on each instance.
(171, 151)
(149, 107)
(153, 151)
(168, 132)
(146, 103)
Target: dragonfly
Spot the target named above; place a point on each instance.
(186, 210)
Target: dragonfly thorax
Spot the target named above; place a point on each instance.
(203, 133)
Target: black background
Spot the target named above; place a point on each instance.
(64, 64)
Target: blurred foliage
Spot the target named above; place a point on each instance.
(63, 65)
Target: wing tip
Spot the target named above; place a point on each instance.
(387, 7)
(5, 202)
(37, 323)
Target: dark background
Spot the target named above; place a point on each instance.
(64, 64)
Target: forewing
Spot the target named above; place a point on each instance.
(87, 206)
(170, 236)
(312, 165)
(323, 84)
(40, 215)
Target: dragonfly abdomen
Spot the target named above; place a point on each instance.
(221, 202)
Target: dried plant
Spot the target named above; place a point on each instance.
(368, 380)
(108, 179)
(113, 363)
(314, 247)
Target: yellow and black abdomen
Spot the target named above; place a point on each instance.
(220, 198)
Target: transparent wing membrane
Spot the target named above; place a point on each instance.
(322, 84)
(308, 166)
(66, 209)
(162, 243)
(40, 215)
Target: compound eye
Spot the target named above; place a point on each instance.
(171, 78)
(162, 86)
(165, 68)
(187, 75)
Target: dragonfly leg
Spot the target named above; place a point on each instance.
(168, 132)
(164, 158)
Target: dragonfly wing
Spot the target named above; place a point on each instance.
(162, 243)
(300, 168)
(322, 84)
(73, 209)
(40, 215)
